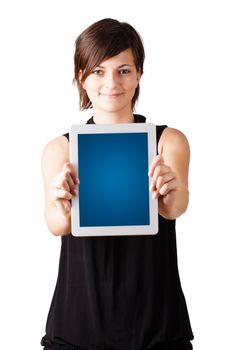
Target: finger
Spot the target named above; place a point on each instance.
(59, 193)
(70, 168)
(160, 170)
(155, 194)
(64, 206)
(168, 186)
(73, 183)
(70, 174)
(60, 183)
(159, 181)
(74, 190)
(69, 180)
(63, 181)
(158, 160)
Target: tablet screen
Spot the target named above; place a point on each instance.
(112, 162)
(114, 185)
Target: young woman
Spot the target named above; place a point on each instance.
(120, 293)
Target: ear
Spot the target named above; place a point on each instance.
(139, 74)
(80, 75)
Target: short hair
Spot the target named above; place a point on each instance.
(102, 40)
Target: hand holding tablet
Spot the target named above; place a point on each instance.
(112, 162)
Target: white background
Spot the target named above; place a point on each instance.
(188, 84)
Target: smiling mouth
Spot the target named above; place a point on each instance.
(112, 95)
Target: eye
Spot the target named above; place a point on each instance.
(124, 71)
(97, 71)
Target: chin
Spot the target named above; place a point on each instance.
(116, 108)
(112, 111)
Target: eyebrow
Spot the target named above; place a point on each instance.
(121, 66)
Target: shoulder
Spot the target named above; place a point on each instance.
(56, 151)
(173, 139)
(58, 144)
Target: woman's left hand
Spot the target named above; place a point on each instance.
(164, 180)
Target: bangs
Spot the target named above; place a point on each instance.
(99, 50)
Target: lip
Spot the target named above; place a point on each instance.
(112, 95)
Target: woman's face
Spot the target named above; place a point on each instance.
(111, 86)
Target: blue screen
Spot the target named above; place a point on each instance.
(114, 182)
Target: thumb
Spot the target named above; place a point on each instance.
(158, 160)
(64, 206)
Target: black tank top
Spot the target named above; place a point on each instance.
(121, 293)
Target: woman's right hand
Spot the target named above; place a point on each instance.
(63, 187)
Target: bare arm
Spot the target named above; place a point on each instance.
(169, 172)
(60, 183)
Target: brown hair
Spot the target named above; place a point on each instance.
(102, 40)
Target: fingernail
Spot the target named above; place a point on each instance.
(66, 206)
(151, 186)
(154, 195)
(75, 190)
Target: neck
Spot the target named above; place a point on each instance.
(113, 118)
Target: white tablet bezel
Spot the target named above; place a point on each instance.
(78, 231)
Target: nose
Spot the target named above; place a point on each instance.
(111, 80)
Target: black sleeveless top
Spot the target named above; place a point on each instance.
(120, 293)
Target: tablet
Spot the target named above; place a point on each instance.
(112, 162)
